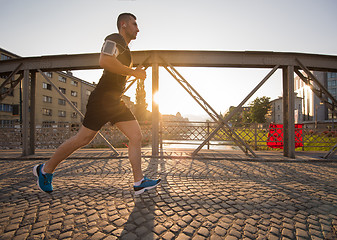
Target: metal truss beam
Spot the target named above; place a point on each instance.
(75, 108)
(289, 62)
(237, 109)
(209, 110)
(10, 80)
(130, 82)
(288, 102)
(246, 59)
(322, 93)
(332, 152)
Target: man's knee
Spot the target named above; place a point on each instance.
(82, 140)
(137, 137)
(84, 136)
(86, 140)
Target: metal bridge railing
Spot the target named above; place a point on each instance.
(321, 137)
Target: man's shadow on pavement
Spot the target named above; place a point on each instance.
(140, 223)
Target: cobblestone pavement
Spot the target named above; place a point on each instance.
(198, 199)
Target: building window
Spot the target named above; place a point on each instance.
(74, 83)
(278, 107)
(74, 115)
(63, 90)
(6, 108)
(333, 91)
(5, 89)
(74, 93)
(16, 109)
(332, 75)
(49, 74)
(62, 113)
(88, 92)
(75, 103)
(46, 112)
(47, 123)
(5, 57)
(46, 86)
(6, 123)
(62, 102)
(62, 79)
(47, 99)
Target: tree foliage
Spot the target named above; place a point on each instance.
(259, 109)
(237, 119)
(141, 105)
(257, 113)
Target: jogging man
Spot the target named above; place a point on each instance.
(105, 105)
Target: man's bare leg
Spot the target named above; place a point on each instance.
(132, 131)
(82, 138)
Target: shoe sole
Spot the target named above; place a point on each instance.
(37, 175)
(145, 189)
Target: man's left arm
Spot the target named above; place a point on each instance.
(108, 61)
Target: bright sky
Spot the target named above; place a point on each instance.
(39, 27)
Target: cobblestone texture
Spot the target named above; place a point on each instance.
(198, 199)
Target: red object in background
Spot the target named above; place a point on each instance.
(275, 136)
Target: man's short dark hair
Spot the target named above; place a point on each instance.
(124, 17)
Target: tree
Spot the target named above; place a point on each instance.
(236, 120)
(141, 105)
(259, 109)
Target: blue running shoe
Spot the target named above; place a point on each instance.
(43, 180)
(146, 184)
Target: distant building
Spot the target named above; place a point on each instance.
(276, 113)
(9, 107)
(51, 107)
(177, 117)
(313, 108)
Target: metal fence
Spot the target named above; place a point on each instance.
(314, 137)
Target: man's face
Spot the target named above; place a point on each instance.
(131, 28)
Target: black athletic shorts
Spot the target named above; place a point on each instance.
(99, 114)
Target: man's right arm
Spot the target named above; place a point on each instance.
(112, 64)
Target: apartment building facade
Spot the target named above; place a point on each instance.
(313, 108)
(51, 107)
(276, 113)
(9, 106)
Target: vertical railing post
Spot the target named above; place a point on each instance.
(161, 137)
(255, 136)
(25, 113)
(32, 113)
(288, 112)
(155, 109)
(208, 132)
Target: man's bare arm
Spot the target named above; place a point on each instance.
(111, 64)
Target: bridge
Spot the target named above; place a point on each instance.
(25, 69)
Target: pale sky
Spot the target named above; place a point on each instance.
(39, 27)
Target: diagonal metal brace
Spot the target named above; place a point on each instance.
(213, 114)
(319, 92)
(237, 109)
(76, 109)
(9, 80)
(314, 79)
(132, 81)
(332, 152)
